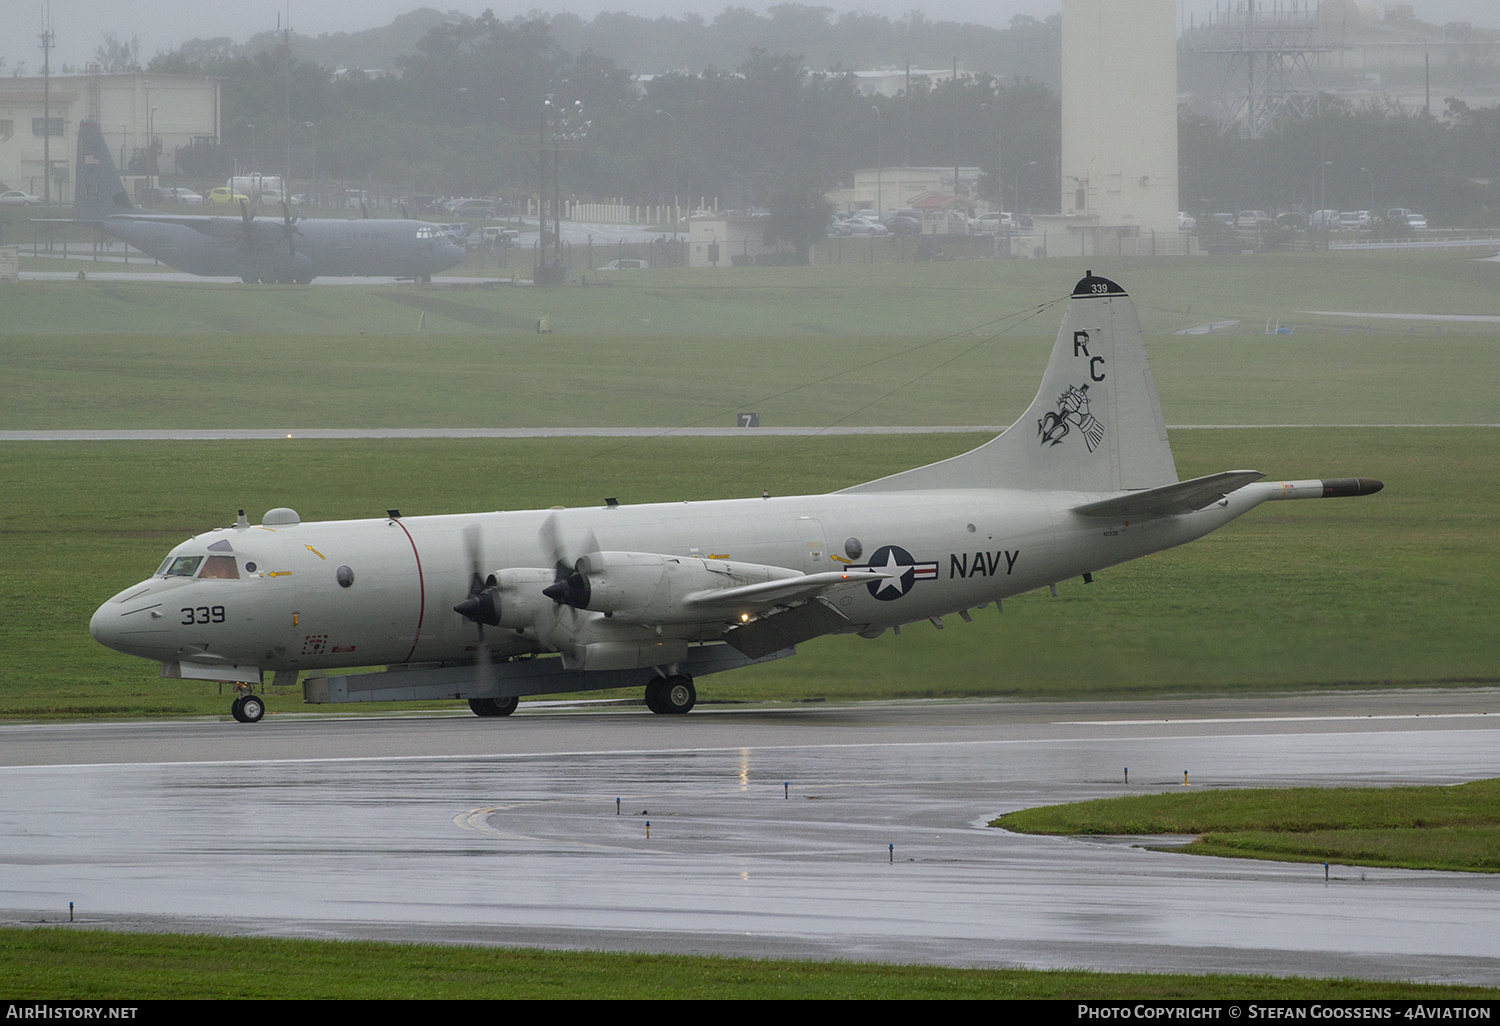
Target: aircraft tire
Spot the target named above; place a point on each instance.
(678, 696)
(494, 706)
(252, 708)
(654, 695)
(237, 711)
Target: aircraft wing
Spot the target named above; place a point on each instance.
(750, 597)
(1167, 500)
(216, 226)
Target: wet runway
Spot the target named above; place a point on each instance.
(835, 831)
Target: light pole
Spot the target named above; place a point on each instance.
(999, 152)
(676, 162)
(879, 169)
(1367, 171)
(1323, 171)
(312, 149)
(151, 146)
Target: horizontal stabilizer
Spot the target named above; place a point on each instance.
(1167, 500)
(769, 593)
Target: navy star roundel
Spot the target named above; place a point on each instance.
(905, 569)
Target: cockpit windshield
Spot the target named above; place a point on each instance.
(428, 231)
(181, 566)
(222, 568)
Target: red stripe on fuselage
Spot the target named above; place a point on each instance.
(421, 591)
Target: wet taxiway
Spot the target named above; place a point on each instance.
(853, 832)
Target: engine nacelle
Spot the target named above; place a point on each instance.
(518, 595)
(648, 587)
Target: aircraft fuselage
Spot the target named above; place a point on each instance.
(285, 608)
(229, 246)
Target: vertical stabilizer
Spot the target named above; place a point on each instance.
(1095, 425)
(97, 191)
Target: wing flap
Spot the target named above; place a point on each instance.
(1171, 499)
(750, 597)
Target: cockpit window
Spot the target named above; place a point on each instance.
(182, 566)
(221, 568)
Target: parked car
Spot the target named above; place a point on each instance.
(473, 208)
(1291, 219)
(903, 225)
(174, 195)
(1252, 219)
(224, 197)
(1415, 220)
(863, 226)
(17, 198)
(994, 221)
(496, 236)
(1323, 220)
(1186, 223)
(1355, 219)
(624, 264)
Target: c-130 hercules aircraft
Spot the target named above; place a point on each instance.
(490, 607)
(285, 249)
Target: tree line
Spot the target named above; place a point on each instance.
(467, 116)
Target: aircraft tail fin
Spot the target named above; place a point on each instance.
(1094, 426)
(98, 191)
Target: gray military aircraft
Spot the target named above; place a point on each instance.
(281, 249)
(493, 606)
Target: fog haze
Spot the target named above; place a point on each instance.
(163, 26)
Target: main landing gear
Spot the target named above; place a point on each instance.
(671, 695)
(248, 707)
(494, 706)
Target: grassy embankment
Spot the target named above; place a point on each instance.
(74, 964)
(1412, 827)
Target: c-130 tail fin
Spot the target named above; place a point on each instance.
(1095, 425)
(98, 191)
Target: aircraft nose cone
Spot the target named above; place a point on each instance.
(104, 627)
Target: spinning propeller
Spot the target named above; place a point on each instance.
(570, 585)
(483, 604)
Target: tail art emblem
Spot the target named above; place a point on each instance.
(1072, 408)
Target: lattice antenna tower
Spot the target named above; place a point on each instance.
(1269, 54)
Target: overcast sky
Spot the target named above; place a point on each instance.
(164, 24)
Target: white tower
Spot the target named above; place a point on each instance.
(1119, 115)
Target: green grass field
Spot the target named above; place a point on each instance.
(881, 344)
(1411, 827)
(1396, 589)
(62, 962)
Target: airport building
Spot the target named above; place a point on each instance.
(147, 119)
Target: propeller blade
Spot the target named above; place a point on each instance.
(570, 585)
(482, 605)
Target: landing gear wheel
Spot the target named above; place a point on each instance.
(236, 710)
(653, 694)
(677, 694)
(494, 706)
(252, 708)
